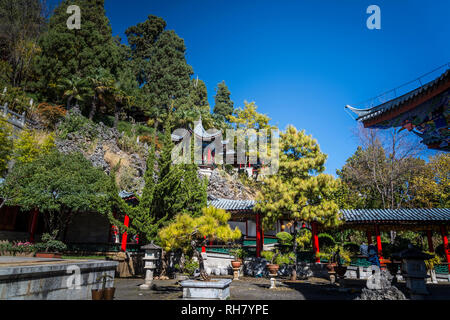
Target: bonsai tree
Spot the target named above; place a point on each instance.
(188, 233)
(50, 244)
(238, 253)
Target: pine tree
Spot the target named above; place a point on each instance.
(161, 67)
(67, 53)
(223, 104)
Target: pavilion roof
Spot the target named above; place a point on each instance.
(354, 216)
(395, 215)
(199, 131)
(231, 205)
(397, 103)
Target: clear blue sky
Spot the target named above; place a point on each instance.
(302, 61)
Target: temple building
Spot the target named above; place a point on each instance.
(214, 149)
(423, 111)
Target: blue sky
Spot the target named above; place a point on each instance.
(302, 61)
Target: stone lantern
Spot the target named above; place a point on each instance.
(414, 270)
(152, 255)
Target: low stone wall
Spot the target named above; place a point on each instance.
(52, 279)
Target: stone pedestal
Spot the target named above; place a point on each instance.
(215, 289)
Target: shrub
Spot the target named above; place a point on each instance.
(190, 266)
(16, 99)
(285, 238)
(51, 114)
(326, 241)
(351, 247)
(74, 122)
(238, 253)
(50, 244)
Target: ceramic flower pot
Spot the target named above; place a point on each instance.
(330, 267)
(236, 264)
(273, 268)
(108, 293)
(97, 294)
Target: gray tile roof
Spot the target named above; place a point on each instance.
(366, 114)
(395, 215)
(231, 205)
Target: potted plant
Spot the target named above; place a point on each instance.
(103, 293)
(239, 256)
(271, 256)
(50, 247)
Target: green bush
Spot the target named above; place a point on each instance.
(50, 244)
(351, 247)
(190, 266)
(77, 123)
(284, 238)
(326, 240)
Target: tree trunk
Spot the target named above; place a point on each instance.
(201, 263)
(117, 109)
(294, 248)
(69, 103)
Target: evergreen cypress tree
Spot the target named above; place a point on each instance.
(67, 53)
(223, 104)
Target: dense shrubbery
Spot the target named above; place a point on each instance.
(74, 122)
(326, 240)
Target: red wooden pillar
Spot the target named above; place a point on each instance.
(209, 156)
(203, 247)
(126, 222)
(258, 235)
(430, 240)
(369, 237)
(33, 226)
(315, 236)
(379, 247)
(446, 248)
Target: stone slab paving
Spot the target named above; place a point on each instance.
(258, 289)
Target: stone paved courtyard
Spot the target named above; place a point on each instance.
(258, 289)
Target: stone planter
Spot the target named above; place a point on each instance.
(215, 289)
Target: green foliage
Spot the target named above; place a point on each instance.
(160, 65)
(16, 98)
(326, 241)
(223, 107)
(431, 263)
(76, 123)
(238, 253)
(50, 244)
(276, 257)
(59, 186)
(22, 23)
(351, 247)
(28, 148)
(299, 189)
(190, 266)
(6, 145)
(186, 232)
(284, 238)
(68, 53)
